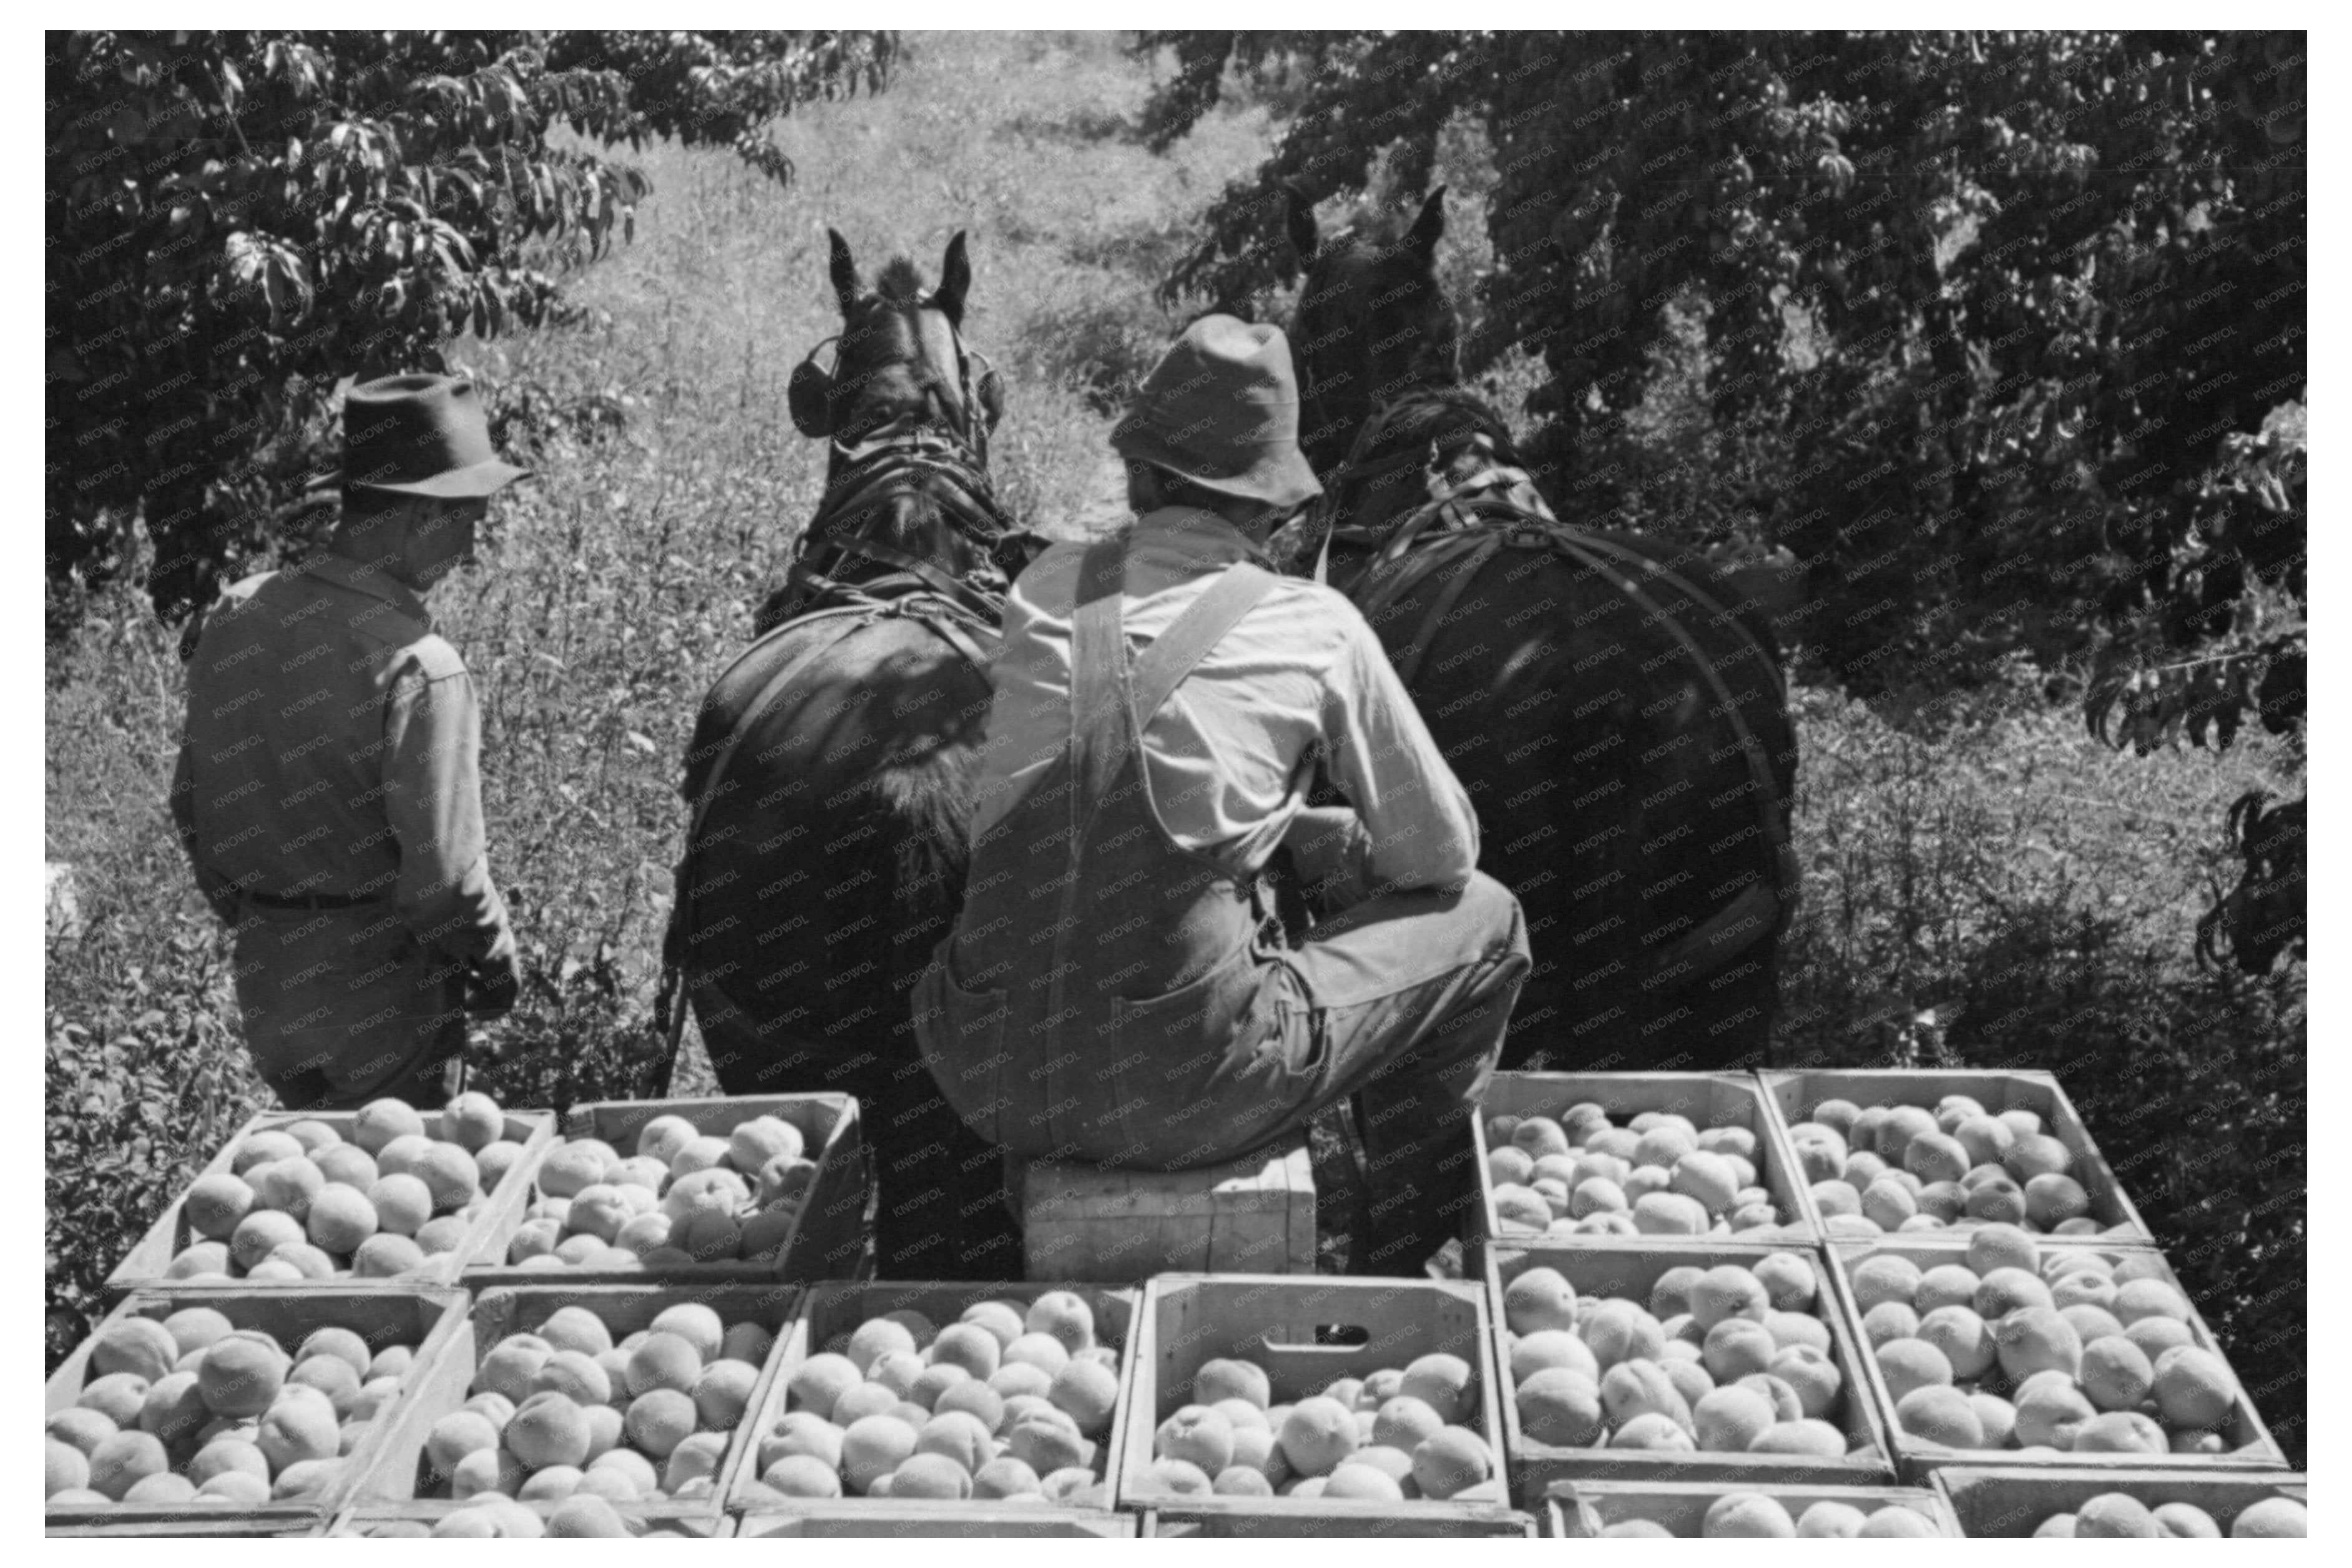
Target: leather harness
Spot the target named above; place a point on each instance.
(943, 458)
(1475, 528)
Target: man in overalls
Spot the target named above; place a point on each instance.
(1115, 990)
(328, 793)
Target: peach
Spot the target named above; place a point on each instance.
(1736, 1347)
(872, 1448)
(723, 1391)
(1936, 1413)
(1451, 1462)
(664, 1361)
(804, 1476)
(384, 1256)
(2194, 1388)
(116, 1397)
(659, 1420)
(380, 1121)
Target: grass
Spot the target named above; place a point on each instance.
(2036, 892)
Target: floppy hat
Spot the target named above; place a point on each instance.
(1220, 409)
(422, 435)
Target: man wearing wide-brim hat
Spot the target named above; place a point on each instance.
(328, 792)
(1115, 990)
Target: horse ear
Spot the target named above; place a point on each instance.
(1303, 238)
(1423, 234)
(955, 281)
(844, 274)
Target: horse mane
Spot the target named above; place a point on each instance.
(899, 283)
(1449, 416)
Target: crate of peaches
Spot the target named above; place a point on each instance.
(1934, 1154)
(1646, 1157)
(2018, 1350)
(763, 1187)
(1735, 1364)
(951, 1402)
(588, 1410)
(204, 1404)
(343, 1198)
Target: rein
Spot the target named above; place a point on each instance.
(1458, 532)
(917, 461)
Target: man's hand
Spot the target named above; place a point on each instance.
(495, 981)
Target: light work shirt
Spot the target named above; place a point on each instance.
(332, 749)
(1230, 755)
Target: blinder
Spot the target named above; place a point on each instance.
(808, 393)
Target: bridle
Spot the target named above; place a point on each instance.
(941, 453)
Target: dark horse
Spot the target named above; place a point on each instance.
(832, 764)
(1614, 706)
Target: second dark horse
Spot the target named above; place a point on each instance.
(1612, 704)
(831, 769)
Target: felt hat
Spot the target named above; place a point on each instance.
(1220, 409)
(422, 435)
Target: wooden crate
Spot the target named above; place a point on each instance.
(827, 1243)
(902, 1518)
(1793, 1094)
(1272, 1320)
(429, 1318)
(187, 1528)
(1357, 1521)
(142, 1267)
(2251, 1446)
(1995, 1501)
(390, 1486)
(1577, 1511)
(1622, 1271)
(1245, 1216)
(378, 1522)
(1708, 1099)
(835, 1309)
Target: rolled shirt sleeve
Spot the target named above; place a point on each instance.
(1418, 828)
(433, 800)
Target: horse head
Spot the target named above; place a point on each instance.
(899, 361)
(1372, 323)
(908, 407)
(2264, 914)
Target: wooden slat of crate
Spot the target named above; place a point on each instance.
(837, 1307)
(1271, 1318)
(1631, 1273)
(1681, 1506)
(1793, 1094)
(900, 1519)
(2251, 1446)
(1325, 1516)
(1708, 1099)
(142, 1267)
(429, 1318)
(410, 1517)
(1253, 1215)
(2011, 1501)
(389, 1486)
(404, 1520)
(185, 1528)
(826, 1242)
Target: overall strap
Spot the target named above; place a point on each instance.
(1109, 705)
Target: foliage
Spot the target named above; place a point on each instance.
(236, 220)
(2002, 302)
(1982, 889)
(144, 1075)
